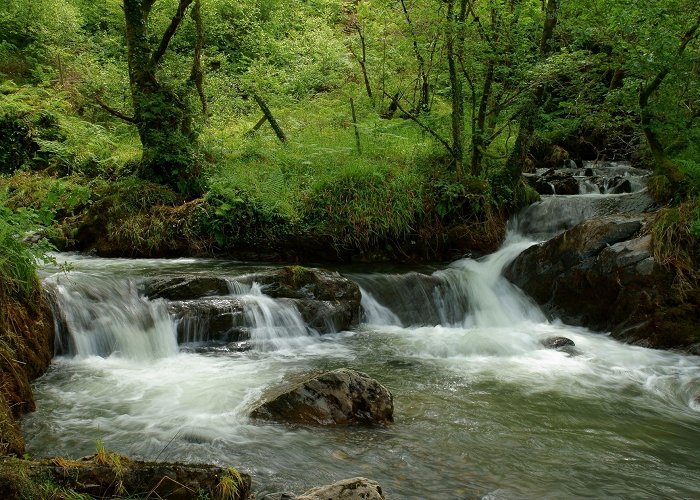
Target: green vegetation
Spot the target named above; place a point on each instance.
(137, 126)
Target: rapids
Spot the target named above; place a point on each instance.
(481, 408)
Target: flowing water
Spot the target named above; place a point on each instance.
(481, 408)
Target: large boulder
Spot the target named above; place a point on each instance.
(339, 397)
(602, 274)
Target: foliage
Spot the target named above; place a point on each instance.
(18, 259)
(229, 485)
(64, 80)
(676, 244)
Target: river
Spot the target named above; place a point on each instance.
(482, 409)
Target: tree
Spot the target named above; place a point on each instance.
(531, 109)
(646, 91)
(161, 113)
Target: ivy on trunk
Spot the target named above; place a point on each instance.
(161, 113)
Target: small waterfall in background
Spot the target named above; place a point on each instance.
(469, 293)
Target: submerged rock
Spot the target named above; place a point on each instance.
(357, 488)
(601, 274)
(339, 397)
(557, 342)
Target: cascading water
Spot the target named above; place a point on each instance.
(103, 316)
(273, 324)
(482, 408)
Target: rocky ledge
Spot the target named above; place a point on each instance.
(325, 300)
(601, 274)
(339, 397)
(108, 475)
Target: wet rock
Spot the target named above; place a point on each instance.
(210, 319)
(297, 282)
(601, 274)
(206, 310)
(326, 316)
(552, 181)
(621, 186)
(185, 287)
(557, 342)
(357, 488)
(339, 397)
(554, 215)
(108, 475)
(285, 495)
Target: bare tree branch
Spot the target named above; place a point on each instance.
(112, 111)
(422, 125)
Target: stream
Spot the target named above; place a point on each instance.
(482, 409)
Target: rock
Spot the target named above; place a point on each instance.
(339, 397)
(621, 186)
(108, 475)
(601, 274)
(297, 282)
(553, 182)
(185, 287)
(210, 319)
(554, 215)
(326, 316)
(557, 342)
(357, 488)
(206, 310)
(285, 495)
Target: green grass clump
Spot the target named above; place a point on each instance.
(675, 244)
(363, 205)
(229, 485)
(18, 260)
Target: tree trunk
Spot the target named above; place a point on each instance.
(478, 142)
(455, 50)
(163, 119)
(423, 84)
(663, 164)
(531, 110)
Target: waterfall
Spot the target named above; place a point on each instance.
(106, 316)
(469, 293)
(274, 324)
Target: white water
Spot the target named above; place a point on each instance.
(274, 324)
(482, 408)
(107, 316)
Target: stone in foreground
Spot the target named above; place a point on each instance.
(340, 397)
(357, 488)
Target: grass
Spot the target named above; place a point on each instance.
(674, 243)
(229, 485)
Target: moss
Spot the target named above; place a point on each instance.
(300, 276)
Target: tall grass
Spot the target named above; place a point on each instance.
(18, 260)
